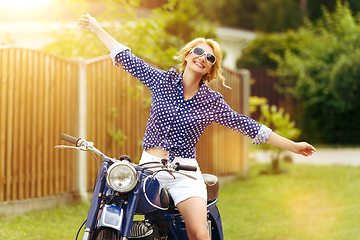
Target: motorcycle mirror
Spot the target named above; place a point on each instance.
(125, 157)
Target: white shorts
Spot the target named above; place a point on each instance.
(182, 187)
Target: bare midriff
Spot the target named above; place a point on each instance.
(158, 152)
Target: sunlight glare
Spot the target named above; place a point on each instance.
(24, 3)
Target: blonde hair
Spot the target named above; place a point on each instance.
(216, 71)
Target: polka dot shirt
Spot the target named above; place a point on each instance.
(176, 124)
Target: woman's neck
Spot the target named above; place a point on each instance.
(191, 83)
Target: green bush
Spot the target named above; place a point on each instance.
(280, 123)
(318, 66)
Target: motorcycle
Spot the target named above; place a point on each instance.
(124, 189)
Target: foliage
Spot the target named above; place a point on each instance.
(274, 118)
(266, 15)
(256, 102)
(262, 15)
(116, 135)
(6, 41)
(277, 15)
(316, 75)
(344, 77)
(314, 7)
(313, 64)
(279, 122)
(259, 52)
(157, 37)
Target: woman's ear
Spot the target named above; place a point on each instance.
(186, 57)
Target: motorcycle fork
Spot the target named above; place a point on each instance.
(95, 202)
(216, 225)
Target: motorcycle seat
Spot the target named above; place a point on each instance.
(212, 186)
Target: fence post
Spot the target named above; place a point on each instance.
(245, 77)
(81, 126)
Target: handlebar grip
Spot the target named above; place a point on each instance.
(185, 167)
(69, 138)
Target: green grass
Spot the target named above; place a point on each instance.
(61, 222)
(309, 202)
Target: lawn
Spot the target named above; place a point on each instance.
(309, 202)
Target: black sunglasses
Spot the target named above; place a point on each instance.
(199, 52)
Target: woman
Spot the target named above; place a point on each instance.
(182, 107)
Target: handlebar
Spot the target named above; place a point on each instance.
(81, 144)
(70, 139)
(165, 165)
(185, 167)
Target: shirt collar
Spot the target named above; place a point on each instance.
(181, 89)
(181, 76)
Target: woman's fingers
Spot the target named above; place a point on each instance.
(305, 149)
(308, 151)
(89, 22)
(85, 23)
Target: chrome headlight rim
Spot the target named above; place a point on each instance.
(125, 166)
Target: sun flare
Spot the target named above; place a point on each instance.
(24, 3)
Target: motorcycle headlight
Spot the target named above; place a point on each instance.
(121, 177)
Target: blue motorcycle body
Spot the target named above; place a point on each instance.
(113, 212)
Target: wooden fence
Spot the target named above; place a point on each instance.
(40, 100)
(262, 85)
(35, 108)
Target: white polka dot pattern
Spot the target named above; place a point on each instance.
(175, 124)
(262, 135)
(118, 48)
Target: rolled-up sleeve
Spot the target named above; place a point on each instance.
(262, 135)
(115, 51)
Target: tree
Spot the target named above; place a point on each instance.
(314, 7)
(318, 65)
(259, 53)
(267, 15)
(261, 15)
(277, 15)
(157, 37)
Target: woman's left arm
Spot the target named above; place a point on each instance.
(302, 148)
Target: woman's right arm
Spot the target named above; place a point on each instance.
(90, 23)
(129, 62)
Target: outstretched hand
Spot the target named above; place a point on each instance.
(304, 149)
(89, 23)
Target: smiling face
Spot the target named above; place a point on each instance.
(197, 63)
(210, 72)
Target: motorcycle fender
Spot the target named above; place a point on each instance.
(111, 217)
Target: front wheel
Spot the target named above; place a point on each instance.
(107, 234)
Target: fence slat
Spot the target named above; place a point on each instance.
(3, 113)
(52, 132)
(10, 125)
(16, 124)
(29, 124)
(22, 83)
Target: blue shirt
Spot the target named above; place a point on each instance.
(176, 124)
